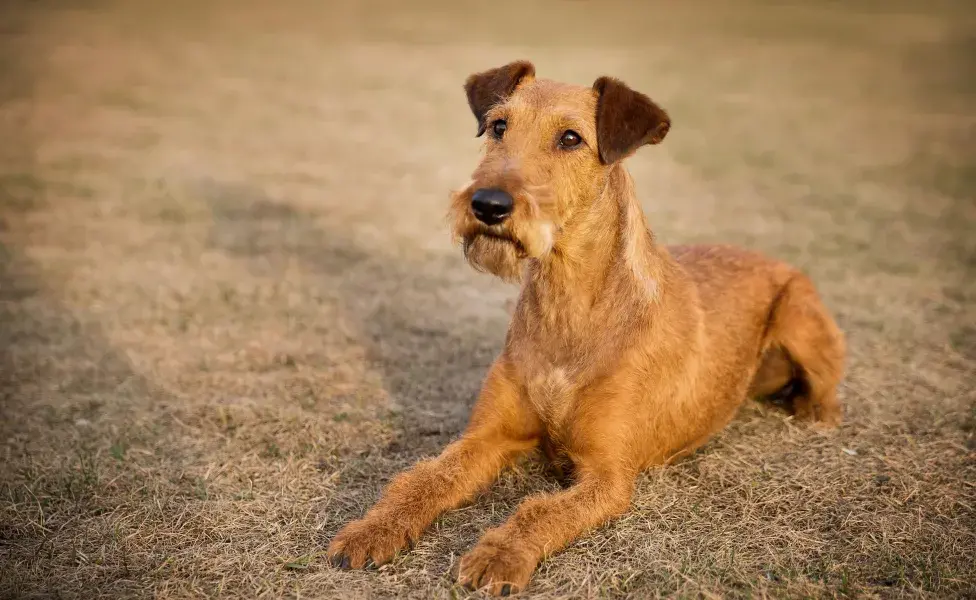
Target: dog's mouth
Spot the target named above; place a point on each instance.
(494, 252)
(495, 237)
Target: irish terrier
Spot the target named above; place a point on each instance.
(621, 354)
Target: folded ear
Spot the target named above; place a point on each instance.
(625, 120)
(491, 87)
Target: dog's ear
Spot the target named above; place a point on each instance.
(625, 120)
(490, 87)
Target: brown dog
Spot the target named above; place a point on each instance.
(621, 354)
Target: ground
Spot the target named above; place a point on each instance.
(230, 309)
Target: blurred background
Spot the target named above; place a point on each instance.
(230, 309)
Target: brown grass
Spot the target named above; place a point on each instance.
(230, 309)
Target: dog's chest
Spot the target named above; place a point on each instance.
(551, 393)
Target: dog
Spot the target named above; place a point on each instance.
(622, 353)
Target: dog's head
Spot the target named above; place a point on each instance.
(549, 148)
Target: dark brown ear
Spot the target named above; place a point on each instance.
(626, 120)
(491, 87)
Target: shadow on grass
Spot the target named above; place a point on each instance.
(71, 405)
(431, 363)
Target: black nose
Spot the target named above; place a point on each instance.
(491, 205)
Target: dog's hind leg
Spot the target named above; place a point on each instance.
(801, 329)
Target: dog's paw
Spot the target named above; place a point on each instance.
(368, 542)
(497, 568)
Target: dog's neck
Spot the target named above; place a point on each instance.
(597, 291)
(605, 244)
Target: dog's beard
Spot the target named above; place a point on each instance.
(495, 254)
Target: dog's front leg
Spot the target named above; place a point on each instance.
(498, 432)
(505, 558)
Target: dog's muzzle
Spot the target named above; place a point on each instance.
(491, 206)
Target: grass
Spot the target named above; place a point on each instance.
(230, 310)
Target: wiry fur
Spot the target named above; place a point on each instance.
(621, 354)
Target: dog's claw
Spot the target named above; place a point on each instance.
(506, 589)
(369, 564)
(346, 563)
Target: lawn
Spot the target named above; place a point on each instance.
(230, 308)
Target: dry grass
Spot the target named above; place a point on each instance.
(229, 308)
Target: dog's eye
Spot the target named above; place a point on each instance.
(570, 139)
(498, 128)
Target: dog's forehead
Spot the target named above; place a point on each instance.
(546, 95)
